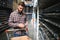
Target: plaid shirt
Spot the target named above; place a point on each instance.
(15, 18)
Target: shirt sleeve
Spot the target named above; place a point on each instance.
(10, 21)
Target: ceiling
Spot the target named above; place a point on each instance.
(47, 3)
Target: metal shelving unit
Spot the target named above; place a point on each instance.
(49, 20)
(5, 11)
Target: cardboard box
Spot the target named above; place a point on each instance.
(21, 38)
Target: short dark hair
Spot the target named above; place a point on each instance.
(22, 4)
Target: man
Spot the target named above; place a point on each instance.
(18, 19)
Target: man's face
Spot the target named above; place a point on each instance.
(20, 8)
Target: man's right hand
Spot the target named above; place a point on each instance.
(21, 25)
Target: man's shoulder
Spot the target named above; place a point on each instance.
(14, 12)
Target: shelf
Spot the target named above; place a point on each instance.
(52, 22)
(49, 30)
(55, 14)
(47, 27)
(43, 32)
(3, 24)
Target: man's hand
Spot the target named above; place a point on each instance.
(21, 25)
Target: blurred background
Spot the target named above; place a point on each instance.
(8, 6)
(44, 14)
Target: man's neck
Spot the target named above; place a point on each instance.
(20, 13)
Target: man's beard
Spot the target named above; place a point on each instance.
(20, 12)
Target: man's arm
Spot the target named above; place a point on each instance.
(10, 21)
(26, 23)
